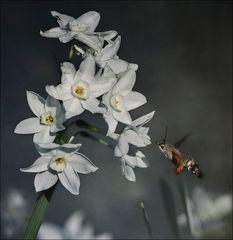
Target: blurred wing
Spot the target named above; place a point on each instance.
(179, 142)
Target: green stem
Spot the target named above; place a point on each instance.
(83, 124)
(99, 140)
(38, 214)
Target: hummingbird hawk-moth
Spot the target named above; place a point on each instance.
(178, 157)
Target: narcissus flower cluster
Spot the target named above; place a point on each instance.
(102, 84)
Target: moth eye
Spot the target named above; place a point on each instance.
(162, 146)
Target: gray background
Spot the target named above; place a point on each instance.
(184, 53)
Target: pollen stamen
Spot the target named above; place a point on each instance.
(116, 103)
(59, 161)
(47, 119)
(79, 90)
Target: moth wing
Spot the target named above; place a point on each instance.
(182, 140)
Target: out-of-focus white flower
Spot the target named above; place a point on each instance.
(73, 229)
(128, 162)
(79, 90)
(81, 29)
(206, 213)
(14, 212)
(108, 56)
(49, 118)
(120, 100)
(59, 162)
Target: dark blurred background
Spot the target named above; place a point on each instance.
(184, 53)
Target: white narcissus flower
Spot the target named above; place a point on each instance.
(120, 100)
(81, 29)
(49, 118)
(208, 215)
(128, 162)
(137, 134)
(61, 162)
(107, 56)
(79, 90)
(72, 229)
(14, 212)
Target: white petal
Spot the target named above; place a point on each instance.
(62, 19)
(50, 231)
(28, 126)
(68, 72)
(112, 123)
(101, 86)
(92, 105)
(60, 119)
(44, 136)
(44, 180)
(130, 160)
(111, 49)
(40, 165)
(90, 19)
(143, 131)
(133, 100)
(81, 164)
(133, 138)
(118, 65)
(144, 119)
(52, 105)
(123, 145)
(128, 172)
(36, 103)
(123, 117)
(117, 152)
(46, 148)
(140, 162)
(109, 73)
(70, 180)
(73, 107)
(70, 148)
(68, 36)
(107, 35)
(125, 84)
(86, 70)
(90, 40)
(57, 127)
(133, 66)
(60, 92)
(73, 225)
(53, 32)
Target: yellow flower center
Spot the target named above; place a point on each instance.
(59, 161)
(58, 164)
(47, 119)
(116, 103)
(79, 90)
